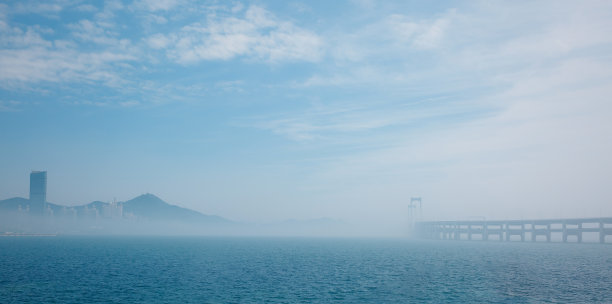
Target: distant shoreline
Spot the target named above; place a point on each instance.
(25, 234)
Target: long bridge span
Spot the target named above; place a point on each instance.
(564, 230)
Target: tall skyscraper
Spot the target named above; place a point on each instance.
(38, 187)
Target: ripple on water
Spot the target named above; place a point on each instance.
(219, 270)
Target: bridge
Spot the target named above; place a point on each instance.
(564, 230)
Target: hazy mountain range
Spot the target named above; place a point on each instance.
(145, 214)
(146, 206)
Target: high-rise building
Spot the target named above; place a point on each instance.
(38, 187)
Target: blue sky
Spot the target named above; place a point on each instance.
(267, 110)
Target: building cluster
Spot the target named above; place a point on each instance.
(38, 204)
(112, 210)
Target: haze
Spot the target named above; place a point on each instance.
(266, 111)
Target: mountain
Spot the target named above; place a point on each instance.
(152, 207)
(146, 214)
(13, 204)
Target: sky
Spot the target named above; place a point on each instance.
(262, 111)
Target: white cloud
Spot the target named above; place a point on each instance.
(157, 5)
(396, 36)
(156, 19)
(419, 34)
(17, 38)
(36, 64)
(86, 8)
(106, 18)
(32, 54)
(336, 123)
(87, 30)
(158, 41)
(113, 5)
(35, 7)
(257, 35)
(27, 57)
(127, 104)
(432, 36)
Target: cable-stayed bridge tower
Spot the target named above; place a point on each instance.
(415, 211)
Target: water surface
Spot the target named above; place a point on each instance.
(299, 270)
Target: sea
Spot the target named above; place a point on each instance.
(140, 269)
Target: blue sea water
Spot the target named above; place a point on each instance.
(299, 270)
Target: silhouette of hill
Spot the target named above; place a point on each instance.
(12, 204)
(152, 207)
(146, 214)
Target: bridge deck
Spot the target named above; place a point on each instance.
(504, 230)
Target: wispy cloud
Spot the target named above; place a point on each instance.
(9, 106)
(86, 8)
(254, 34)
(334, 123)
(525, 103)
(393, 37)
(32, 54)
(157, 5)
(100, 49)
(90, 31)
(35, 64)
(50, 8)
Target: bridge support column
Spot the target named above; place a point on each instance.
(602, 232)
(548, 233)
(469, 232)
(564, 232)
(507, 232)
(579, 233)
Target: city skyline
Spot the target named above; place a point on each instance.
(261, 111)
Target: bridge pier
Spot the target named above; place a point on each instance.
(507, 232)
(510, 231)
(535, 231)
(457, 232)
(573, 231)
(494, 229)
(469, 232)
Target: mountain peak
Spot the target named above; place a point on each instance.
(148, 195)
(148, 198)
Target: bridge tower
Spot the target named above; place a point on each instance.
(415, 211)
